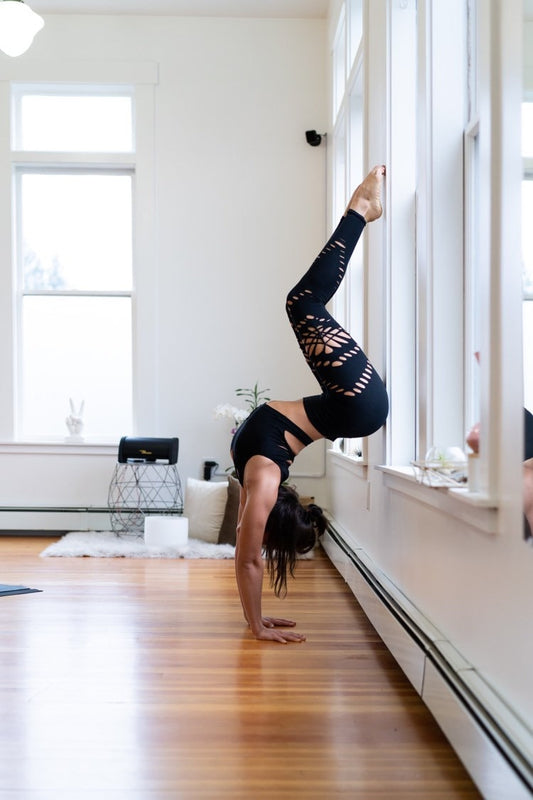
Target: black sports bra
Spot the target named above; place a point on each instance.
(263, 434)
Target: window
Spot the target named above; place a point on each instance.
(73, 255)
(442, 113)
(527, 249)
(355, 28)
(473, 345)
(347, 169)
(68, 119)
(473, 282)
(339, 64)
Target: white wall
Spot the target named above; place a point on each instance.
(240, 207)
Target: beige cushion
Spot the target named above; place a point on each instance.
(205, 504)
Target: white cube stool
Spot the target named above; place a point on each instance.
(166, 531)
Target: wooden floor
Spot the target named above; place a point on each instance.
(137, 680)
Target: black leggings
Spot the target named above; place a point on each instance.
(354, 400)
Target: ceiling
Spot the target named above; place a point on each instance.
(189, 8)
(199, 8)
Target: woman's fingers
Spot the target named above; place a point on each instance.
(283, 637)
(277, 622)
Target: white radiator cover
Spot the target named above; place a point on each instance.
(488, 738)
(53, 519)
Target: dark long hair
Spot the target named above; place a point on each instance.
(291, 529)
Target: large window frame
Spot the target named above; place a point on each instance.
(443, 118)
(367, 289)
(142, 78)
(28, 296)
(442, 74)
(347, 119)
(464, 221)
(527, 295)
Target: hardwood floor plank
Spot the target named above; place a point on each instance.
(137, 678)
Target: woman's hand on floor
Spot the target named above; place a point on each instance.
(275, 635)
(270, 633)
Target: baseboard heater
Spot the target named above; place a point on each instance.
(55, 509)
(481, 732)
(48, 519)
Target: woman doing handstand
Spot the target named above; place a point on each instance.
(353, 403)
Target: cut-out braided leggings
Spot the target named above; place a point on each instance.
(354, 400)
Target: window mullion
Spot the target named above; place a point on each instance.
(75, 160)
(74, 293)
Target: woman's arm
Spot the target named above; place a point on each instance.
(257, 501)
(249, 561)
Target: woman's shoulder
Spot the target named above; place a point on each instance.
(261, 475)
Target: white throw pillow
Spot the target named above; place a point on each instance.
(205, 503)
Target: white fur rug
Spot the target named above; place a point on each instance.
(106, 544)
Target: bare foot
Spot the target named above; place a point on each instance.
(366, 199)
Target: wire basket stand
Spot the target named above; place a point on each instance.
(142, 486)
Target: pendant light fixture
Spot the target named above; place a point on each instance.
(18, 26)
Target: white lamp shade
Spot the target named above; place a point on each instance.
(18, 26)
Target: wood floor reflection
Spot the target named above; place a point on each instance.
(137, 679)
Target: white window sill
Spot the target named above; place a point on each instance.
(474, 508)
(355, 464)
(86, 447)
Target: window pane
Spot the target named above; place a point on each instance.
(527, 130)
(339, 170)
(70, 123)
(472, 281)
(339, 66)
(76, 231)
(527, 307)
(527, 237)
(355, 22)
(355, 321)
(79, 348)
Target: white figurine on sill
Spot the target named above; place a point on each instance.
(74, 421)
